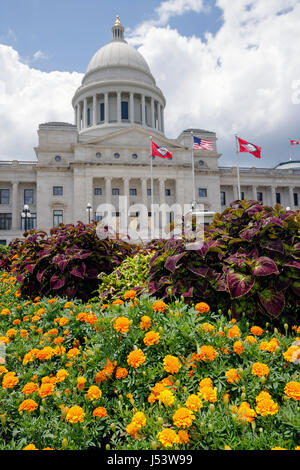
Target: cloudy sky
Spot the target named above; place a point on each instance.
(225, 66)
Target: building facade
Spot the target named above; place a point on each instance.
(105, 154)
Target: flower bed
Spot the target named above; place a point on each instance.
(143, 374)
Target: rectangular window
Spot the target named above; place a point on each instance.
(2, 242)
(89, 116)
(31, 222)
(57, 190)
(28, 196)
(101, 111)
(168, 192)
(98, 217)
(98, 191)
(132, 192)
(58, 216)
(5, 221)
(260, 196)
(242, 195)
(149, 192)
(124, 109)
(4, 196)
(223, 198)
(278, 198)
(296, 199)
(202, 192)
(115, 191)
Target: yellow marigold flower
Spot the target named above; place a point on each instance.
(68, 305)
(207, 382)
(184, 436)
(234, 332)
(256, 330)
(62, 321)
(23, 333)
(202, 307)
(292, 390)
(207, 353)
(260, 369)
(5, 311)
(238, 347)
(100, 412)
(291, 353)
(9, 380)
(75, 414)
(193, 403)
(136, 358)
(232, 376)
(4, 340)
(73, 352)
(28, 405)
(121, 372)
(44, 354)
(207, 327)
(266, 407)
(152, 337)
(208, 394)
(139, 419)
(145, 323)
(122, 324)
(130, 294)
(118, 302)
(132, 429)
(94, 393)
(264, 395)
(61, 375)
(30, 447)
(81, 382)
(183, 418)
(278, 448)
(171, 364)
(166, 397)
(30, 388)
(269, 346)
(46, 389)
(250, 339)
(3, 370)
(244, 412)
(168, 437)
(159, 306)
(11, 333)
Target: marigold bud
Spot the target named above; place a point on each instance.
(113, 427)
(64, 443)
(154, 445)
(107, 447)
(210, 427)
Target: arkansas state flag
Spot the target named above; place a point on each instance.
(245, 146)
(160, 151)
(294, 142)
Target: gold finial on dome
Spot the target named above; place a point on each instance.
(117, 22)
(118, 30)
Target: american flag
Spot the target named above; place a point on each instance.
(202, 144)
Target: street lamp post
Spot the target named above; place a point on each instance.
(89, 210)
(26, 215)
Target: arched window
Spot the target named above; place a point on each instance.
(98, 155)
(117, 155)
(201, 163)
(58, 158)
(134, 156)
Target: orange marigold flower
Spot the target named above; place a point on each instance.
(250, 339)
(202, 307)
(11, 333)
(30, 388)
(183, 418)
(73, 352)
(122, 324)
(168, 437)
(121, 372)
(132, 429)
(159, 306)
(118, 302)
(52, 301)
(3, 370)
(207, 353)
(292, 390)
(234, 332)
(171, 364)
(238, 347)
(292, 354)
(269, 346)
(53, 331)
(139, 419)
(130, 294)
(260, 369)
(28, 405)
(207, 327)
(9, 380)
(145, 323)
(100, 412)
(244, 412)
(16, 321)
(4, 340)
(46, 389)
(81, 382)
(266, 407)
(75, 414)
(61, 375)
(94, 393)
(208, 394)
(166, 397)
(5, 311)
(152, 337)
(207, 382)
(136, 358)
(193, 403)
(232, 376)
(184, 436)
(256, 330)
(30, 447)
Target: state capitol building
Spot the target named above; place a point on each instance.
(106, 154)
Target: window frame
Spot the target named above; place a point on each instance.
(204, 192)
(8, 196)
(32, 198)
(6, 217)
(57, 215)
(55, 188)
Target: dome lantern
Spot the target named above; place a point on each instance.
(118, 30)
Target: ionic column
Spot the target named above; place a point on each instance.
(152, 114)
(291, 192)
(15, 206)
(126, 187)
(78, 108)
(235, 193)
(162, 120)
(144, 214)
(106, 108)
(108, 190)
(94, 110)
(85, 113)
(159, 116)
(273, 195)
(162, 201)
(254, 193)
(119, 106)
(131, 108)
(143, 110)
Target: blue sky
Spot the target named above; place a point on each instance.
(69, 32)
(243, 77)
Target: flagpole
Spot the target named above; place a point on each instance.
(238, 166)
(193, 170)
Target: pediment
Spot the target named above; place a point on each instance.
(131, 136)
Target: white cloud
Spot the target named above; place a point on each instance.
(39, 55)
(29, 97)
(239, 80)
